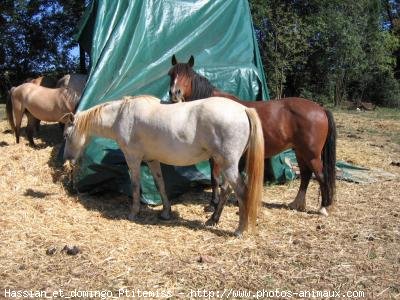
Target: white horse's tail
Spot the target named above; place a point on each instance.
(254, 168)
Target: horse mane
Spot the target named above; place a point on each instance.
(201, 87)
(71, 97)
(85, 120)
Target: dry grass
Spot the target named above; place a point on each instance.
(357, 248)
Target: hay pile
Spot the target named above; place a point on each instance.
(355, 249)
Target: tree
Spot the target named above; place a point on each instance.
(37, 38)
(332, 50)
(283, 39)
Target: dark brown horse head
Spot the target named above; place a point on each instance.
(187, 85)
(181, 74)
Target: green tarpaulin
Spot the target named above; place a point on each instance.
(131, 44)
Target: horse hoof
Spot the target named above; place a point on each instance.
(323, 211)
(295, 206)
(238, 233)
(165, 216)
(209, 208)
(211, 222)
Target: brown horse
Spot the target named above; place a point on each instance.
(42, 103)
(295, 123)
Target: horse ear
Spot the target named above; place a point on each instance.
(174, 61)
(67, 118)
(191, 61)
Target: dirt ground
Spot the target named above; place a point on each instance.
(354, 252)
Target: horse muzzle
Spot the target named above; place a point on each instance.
(176, 96)
(71, 161)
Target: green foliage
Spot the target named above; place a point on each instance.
(330, 50)
(326, 50)
(283, 39)
(36, 38)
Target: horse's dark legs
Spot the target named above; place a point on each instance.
(29, 134)
(233, 179)
(17, 134)
(307, 167)
(317, 165)
(18, 114)
(225, 192)
(155, 169)
(215, 178)
(31, 128)
(299, 202)
(37, 125)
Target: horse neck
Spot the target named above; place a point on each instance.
(100, 121)
(70, 98)
(201, 87)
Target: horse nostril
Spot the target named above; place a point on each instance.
(170, 93)
(178, 92)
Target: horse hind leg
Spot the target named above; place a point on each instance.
(317, 167)
(155, 169)
(18, 114)
(215, 183)
(225, 192)
(299, 203)
(235, 180)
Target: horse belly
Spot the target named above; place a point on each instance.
(176, 154)
(45, 110)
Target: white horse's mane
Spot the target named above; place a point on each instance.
(84, 120)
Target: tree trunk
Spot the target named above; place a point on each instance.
(82, 61)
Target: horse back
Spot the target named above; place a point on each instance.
(290, 123)
(185, 133)
(44, 81)
(43, 103)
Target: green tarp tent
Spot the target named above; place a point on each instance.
(131, 43)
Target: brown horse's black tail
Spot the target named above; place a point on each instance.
(329, 163)
(9, 109)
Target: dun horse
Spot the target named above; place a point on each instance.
(33, 124)
(287, 123)
(180, 134)
(42, 103)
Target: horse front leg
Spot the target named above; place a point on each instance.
(31, 128)
(134, 168)
(155, 169)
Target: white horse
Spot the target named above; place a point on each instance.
(179, 134)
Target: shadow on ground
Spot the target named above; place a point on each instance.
(115, 206)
